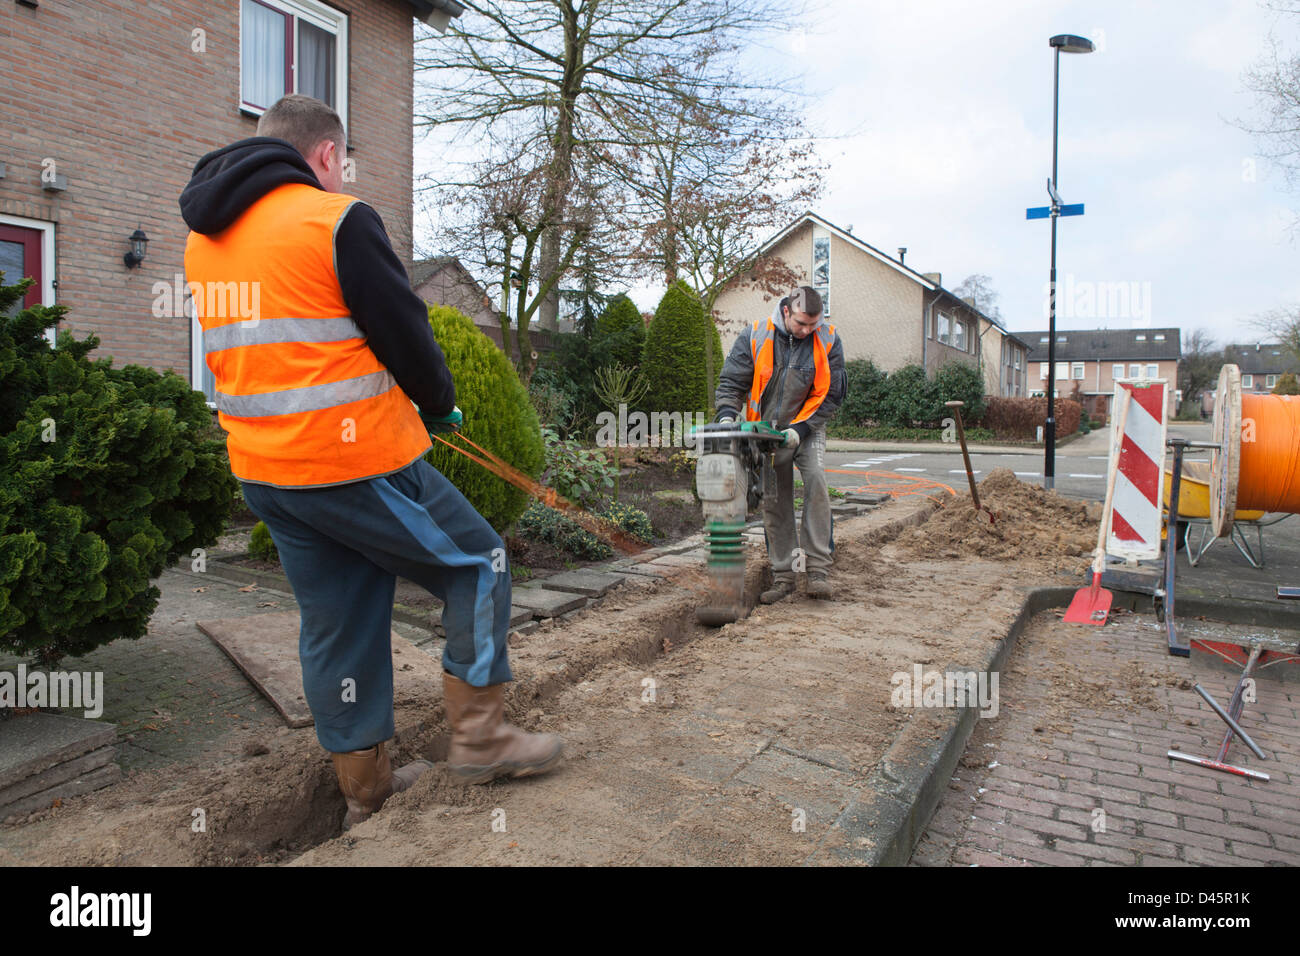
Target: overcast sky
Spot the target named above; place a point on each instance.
(943, 113)
(952, 101)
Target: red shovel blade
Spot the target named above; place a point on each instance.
(1091, 605)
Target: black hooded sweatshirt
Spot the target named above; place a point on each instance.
(375, 286)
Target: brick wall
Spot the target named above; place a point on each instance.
(114, 94)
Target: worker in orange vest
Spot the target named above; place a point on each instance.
(789, 369)
(319, 348)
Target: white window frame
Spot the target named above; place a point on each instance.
(48, 262)
(1077, 371)
(1134, 371)
(318, 15)
(1117, 371)
(1247, 380)
(1153, 371)
(1042, 371)
(1270, 381)
(197, 363)
(1062, 371)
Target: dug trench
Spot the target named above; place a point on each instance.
(741, 744)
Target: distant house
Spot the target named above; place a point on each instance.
(883, 310)
(1094, 359)
(108, 106)
(444, 281)
(1261, 364)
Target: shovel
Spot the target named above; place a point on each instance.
(1091, 605)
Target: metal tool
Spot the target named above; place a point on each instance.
(1231, 716)
(965, 454)
(727, 479)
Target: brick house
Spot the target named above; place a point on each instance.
(1261, 365)
(107, 107)
(1093, 359)
(883, 310)
(444, 280)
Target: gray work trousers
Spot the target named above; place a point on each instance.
(815, 538)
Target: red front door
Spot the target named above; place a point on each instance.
(20, 257)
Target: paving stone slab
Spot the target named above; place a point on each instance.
(519, 614)
(586, 582)
(105, 776)
(866, 497)
(265, 648)
(32, 743)
(543, 602)
(54, 776)
(650, 570)
(677, 561)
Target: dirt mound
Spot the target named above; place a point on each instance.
(1030, 523)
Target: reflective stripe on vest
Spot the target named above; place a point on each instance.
(762, 350)
(304, 400)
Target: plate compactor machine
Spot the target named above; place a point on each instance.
(728, 480)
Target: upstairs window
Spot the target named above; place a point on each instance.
(1076, 371)
(292, 46)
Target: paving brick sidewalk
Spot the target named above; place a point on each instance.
(1035, 782)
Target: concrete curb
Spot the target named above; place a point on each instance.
(883, 823)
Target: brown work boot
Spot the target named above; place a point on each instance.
(819, 584)
(483, 745)
(367, 779)
(781, 587)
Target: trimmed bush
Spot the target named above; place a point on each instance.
(1017, 419)
(634, 521)
(553, 527)
(261, 545)
(1286, 385)
(909, 399)
(620, 333)
(498, 415)
(107, 476)
(957, 381)
(674, 353)
(866, 388)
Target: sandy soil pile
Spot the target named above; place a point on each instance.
(1030, 523)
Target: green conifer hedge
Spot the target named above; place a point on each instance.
(107, 476)
(498, 416)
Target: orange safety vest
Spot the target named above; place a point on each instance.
(762, 347)
(305, 401)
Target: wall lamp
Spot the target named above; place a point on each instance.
(138, 242)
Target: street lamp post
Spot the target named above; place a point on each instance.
(1066, 43)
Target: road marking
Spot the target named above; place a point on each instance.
(909, 469)
(1087, 476)
(962, 471)
(1028, 474)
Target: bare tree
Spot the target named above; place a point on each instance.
(979, 289)
(1198, 368)
(562, 73)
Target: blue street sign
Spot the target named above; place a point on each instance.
(1043, 212)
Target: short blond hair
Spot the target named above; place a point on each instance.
(303, 121)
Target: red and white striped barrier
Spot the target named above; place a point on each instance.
(1139, 485)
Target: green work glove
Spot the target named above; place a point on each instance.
(791, 438)
(449, 422)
